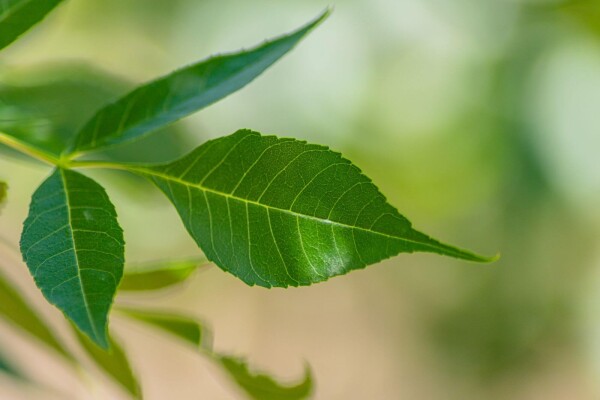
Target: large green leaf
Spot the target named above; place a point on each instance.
(181, 93)
(158, 275)
(17, 16)
(259, 386)
(279, 212)
(73, 246)
(114, 362)
(15, 310)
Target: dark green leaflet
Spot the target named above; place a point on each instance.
(181, 93)
(259, 386)
(74, 248)
(280, 212)
(17, 16)
(158, 275)
(114, 362)
(15, 309)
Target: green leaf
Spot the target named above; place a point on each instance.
(46, 105)
(184, 328)
(259, 386)
(17, 16)
(279, 212)
(181, 93)
(15, 310)
(74, 248)
(158, 275)
(3, 190)
(114, 362)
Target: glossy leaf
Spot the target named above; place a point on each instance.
(259, 386)
(279, 212)
(74, 248)
(114, 362)
(185, 328)
(16, 311)
(181, 93)
(158, 275)
(17, 16)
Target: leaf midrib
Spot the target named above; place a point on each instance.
(151, 172)
(71, 230)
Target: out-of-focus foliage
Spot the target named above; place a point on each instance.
(15, 310)
(158, 275)
(491, 103)
(259, 386)
(114, 362)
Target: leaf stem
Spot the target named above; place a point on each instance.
(29, 150)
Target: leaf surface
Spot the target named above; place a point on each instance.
(74, 248)
(280, 212)
(181, 93)
(15, 310)
(158, 275)
(259, 386)
(17, 16)
(114, 362)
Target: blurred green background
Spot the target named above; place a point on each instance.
(479, 120)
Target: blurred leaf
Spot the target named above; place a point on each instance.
(17, 16)
(3, 189)
(181, 93)
(259, 386)
(74, 248)
(44, 106)
(114, 362)
(7, 367)
(158, 275)
(16, 310)
(280, 212)
(184, 328)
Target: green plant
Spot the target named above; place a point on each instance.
(274, 212)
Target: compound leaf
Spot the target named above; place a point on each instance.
(15, 310)
(74, 248)
(17, 16)
(181, 93)
(114, 362)
(280, 212)
(259, 386)
(158, 275)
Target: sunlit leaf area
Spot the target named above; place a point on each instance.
(236, 193)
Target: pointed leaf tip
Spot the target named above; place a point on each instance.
(181, 93)
(283, 212)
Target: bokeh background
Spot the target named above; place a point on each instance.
(479, 120)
